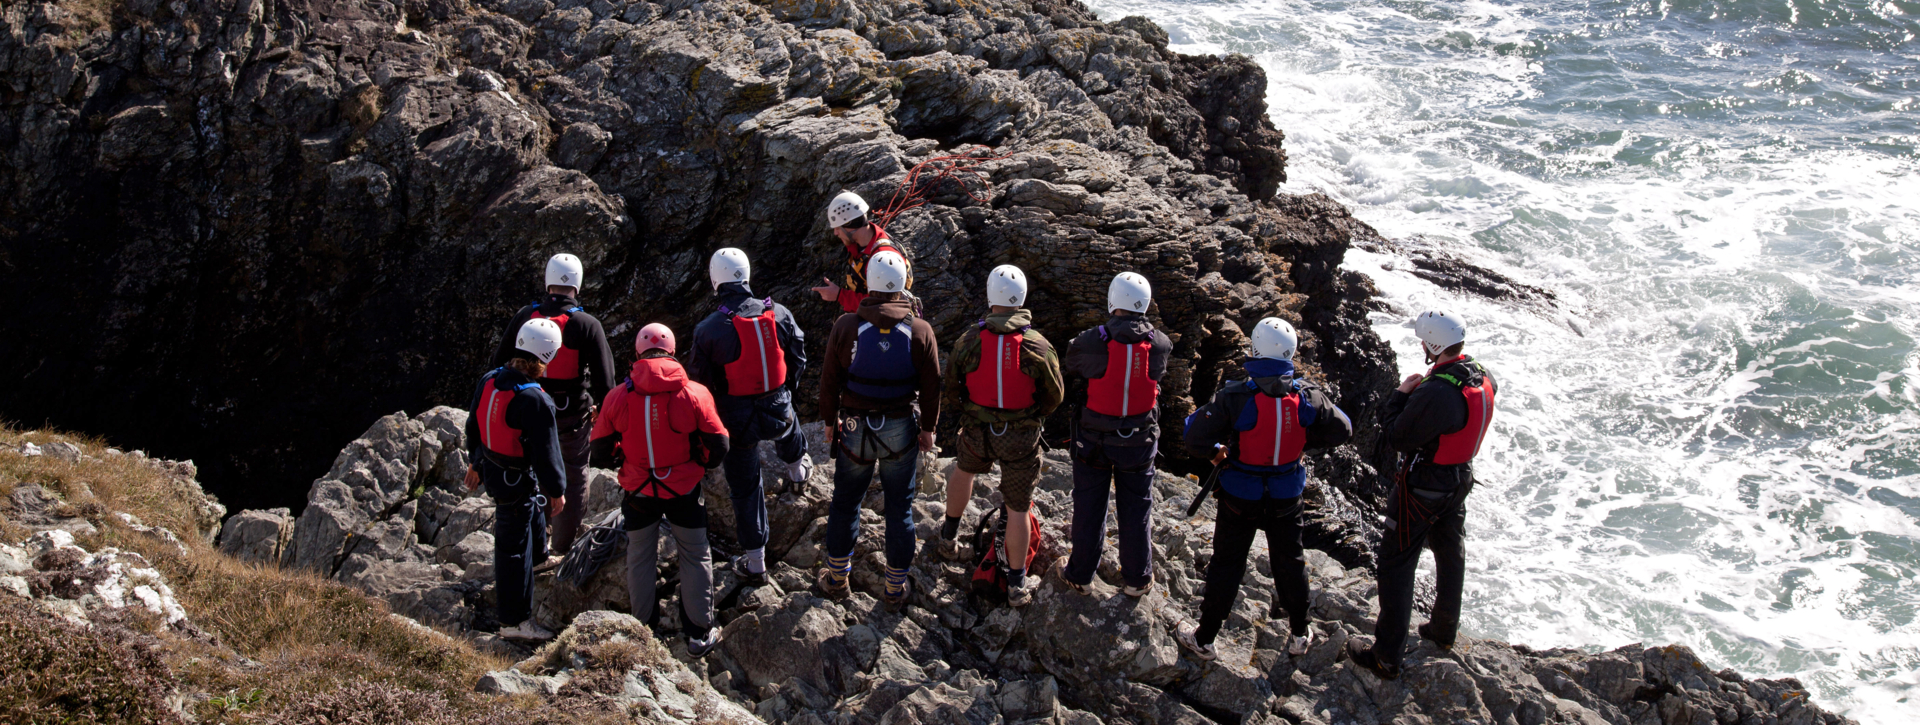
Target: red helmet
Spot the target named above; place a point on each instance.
(653, 336)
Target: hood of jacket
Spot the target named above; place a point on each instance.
(1129, 329)
(1007, 323)
(655, 375)
(508, 378)
(737, 296)
(1273, 377)
(879, 310)
(553, 304)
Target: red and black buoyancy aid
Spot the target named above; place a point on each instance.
(565, 364)
(1277, 439)
(1125, 389)
(999, 382)
(658, 442)
(495, 435)
(762, 365)
(1462, 445)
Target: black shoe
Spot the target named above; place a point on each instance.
(1426, 633)
(1365, 658)
(747, 578)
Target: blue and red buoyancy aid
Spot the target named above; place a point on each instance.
(999, 382)
(762, 365)
(1125, 389)
(565, 364)
(495, 435)
(1462, 445)
(1276, 439)
(880, 357)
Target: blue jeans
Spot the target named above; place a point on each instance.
(748, 422)
(891, 448)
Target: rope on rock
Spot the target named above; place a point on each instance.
(958, 168)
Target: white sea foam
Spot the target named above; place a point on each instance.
(1714, 437)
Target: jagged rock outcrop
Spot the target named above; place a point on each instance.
(789, 656)
(609, 661)
(282, 211)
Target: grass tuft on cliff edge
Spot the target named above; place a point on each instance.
(279, 645)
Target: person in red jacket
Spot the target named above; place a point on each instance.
(663, 432)
(847, 214)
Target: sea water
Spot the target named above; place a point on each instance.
(1712, 437)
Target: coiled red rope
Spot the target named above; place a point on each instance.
(960, 169)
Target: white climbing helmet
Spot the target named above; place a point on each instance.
(654, 335)
(1438, 330)
(844, 208)
(1274, 339)
(1007, 285)
(886, 272)
(1129, 291)
(565, 270)
(540, 338)
(729, 265)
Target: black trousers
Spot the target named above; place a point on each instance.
(519, 538)
(1233, 530)
(1417, 519)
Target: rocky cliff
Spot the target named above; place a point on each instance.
(237, 230)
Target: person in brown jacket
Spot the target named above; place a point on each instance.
(880, 397)
(1003, 382)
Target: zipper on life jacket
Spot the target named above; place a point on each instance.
(646, 415)
(1279, 427)
(1486, 419)
(1000, 370)
(766, 379)
(1126, 383)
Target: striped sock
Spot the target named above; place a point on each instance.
(896, 581)
(839, 567)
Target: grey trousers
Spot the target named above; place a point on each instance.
(696, 560)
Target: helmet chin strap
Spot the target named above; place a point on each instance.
(1427, 350)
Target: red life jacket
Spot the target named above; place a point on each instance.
(502, 439)
(565, 364)
(1124, 390)
(1462, 445)
(657, 443)
(1276, 440)
(999, 382)
(762, 365)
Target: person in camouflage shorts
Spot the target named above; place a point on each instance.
(1003, 381)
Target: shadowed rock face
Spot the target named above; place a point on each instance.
(237, 230)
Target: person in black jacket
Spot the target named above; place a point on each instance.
(750, 354)
(513, 445)
(1258, 428)
(1118, 435)
(1437, 422)
(578, 377)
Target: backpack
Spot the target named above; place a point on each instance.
(989, 539)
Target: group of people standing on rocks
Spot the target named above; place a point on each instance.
(551, 407)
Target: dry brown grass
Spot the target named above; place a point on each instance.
(96, 487)
(291, 646)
